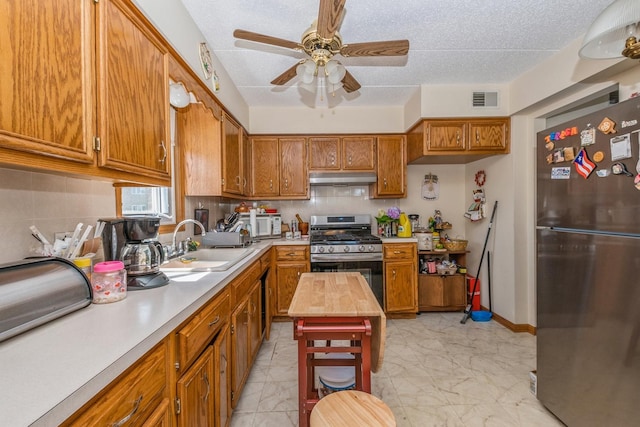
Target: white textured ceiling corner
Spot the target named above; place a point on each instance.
(451, 42)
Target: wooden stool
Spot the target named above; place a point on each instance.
(351, 408)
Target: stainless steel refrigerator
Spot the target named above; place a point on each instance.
(588, 268)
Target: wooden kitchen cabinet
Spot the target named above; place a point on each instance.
(133, 93)
(246, 327)
(489, 134)
(198, 142)
(265, 176)
(136, 396)
(52, 116)
(294, 181)
(196, 391)
(239, 349)
(233, 174)
(438, 292)
(290, 262)
(102, 107)
(391, 167)
(335, 153)
(400, 278)
(457, 141)
(162, 416)
(222, 374)
(279, 168)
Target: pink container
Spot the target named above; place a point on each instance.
(109, 282)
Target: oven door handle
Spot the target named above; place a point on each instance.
(345, 257)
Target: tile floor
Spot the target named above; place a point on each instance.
(436, 372)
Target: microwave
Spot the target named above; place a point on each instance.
(268, 226)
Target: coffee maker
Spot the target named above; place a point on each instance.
(133, 240)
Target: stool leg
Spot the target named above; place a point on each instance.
(366, 363)
(302, 382)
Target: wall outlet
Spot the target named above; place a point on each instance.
(60, 235)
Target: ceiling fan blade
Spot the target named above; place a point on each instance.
(349, 83)
(286, 76)
(384, 48)
(261, 38)
(329, 17)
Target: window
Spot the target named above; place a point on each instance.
(150, 201)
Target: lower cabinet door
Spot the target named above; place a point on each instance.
(195, 392)
(222, 351)
(239, 349)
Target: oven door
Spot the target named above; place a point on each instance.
(371, 270)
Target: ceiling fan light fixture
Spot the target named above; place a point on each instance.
(334, 71)
(614, 33)
(306, 71)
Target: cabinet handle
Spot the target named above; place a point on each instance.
(271, 184)
(164, 150)
(214, 321)
(349, 160)
(238, 181)
(224, 365)
(458, 138)
(291, 254)
(298, 273)
(394, 274)
(244, 182)
(206, 381)
(333, 159)
(385, 183)
(397, 252)
(478, 136)
(136, 405)
(286, 183)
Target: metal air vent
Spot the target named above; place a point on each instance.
(485, 99)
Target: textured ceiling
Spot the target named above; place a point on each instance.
(451, 42)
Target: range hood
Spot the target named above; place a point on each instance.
(342, 178)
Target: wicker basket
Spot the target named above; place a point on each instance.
(455, 245)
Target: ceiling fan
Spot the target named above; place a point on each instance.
(322, 42)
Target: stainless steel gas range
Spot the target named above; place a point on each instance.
(345, 243)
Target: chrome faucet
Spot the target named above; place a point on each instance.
(174, 246)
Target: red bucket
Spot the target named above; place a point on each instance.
(475, 298)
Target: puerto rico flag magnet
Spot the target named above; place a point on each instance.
(583, 165)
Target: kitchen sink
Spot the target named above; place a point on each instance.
(218, 259)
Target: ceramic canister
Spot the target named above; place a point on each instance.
(425, 241)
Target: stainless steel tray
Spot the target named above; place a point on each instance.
(37, 291)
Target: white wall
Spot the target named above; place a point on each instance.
(324, 120)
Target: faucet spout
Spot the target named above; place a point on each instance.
(180, 224)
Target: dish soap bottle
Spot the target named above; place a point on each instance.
(404, 226)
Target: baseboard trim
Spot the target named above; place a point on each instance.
(521, 327)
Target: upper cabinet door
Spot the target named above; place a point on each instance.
(265, 180)
(446, 135)
(232, 173)
(133, 96)
(293, 168)
(489, 134)
(324, 153)
(359, 153)
(392, 167)
(46, 98)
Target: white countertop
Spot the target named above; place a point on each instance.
(399, 239)
(49, 372)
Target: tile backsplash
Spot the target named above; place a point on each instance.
(54, 203)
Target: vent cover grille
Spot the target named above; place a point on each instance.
(485, 99)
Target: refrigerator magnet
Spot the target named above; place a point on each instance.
(588, 136)
(620, 147)
(636, 181)
(607, 126)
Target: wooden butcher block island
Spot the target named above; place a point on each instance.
(335, 307)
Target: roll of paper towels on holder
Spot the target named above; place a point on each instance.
(253, 222)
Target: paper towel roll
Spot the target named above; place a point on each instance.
(253, 222)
